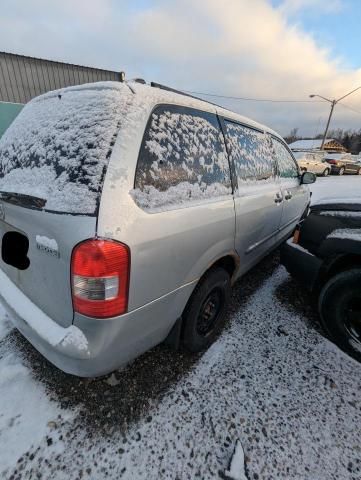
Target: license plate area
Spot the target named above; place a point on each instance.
(14, 250)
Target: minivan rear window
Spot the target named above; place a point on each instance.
(59, 146)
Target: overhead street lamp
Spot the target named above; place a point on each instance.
(333, 103)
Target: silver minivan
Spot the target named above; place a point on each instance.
(126, 213)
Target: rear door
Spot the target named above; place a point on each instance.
(185, 220)
(295, 196)
(52, 161)
(257, 197)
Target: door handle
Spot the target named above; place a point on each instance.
(288, 195)
(278, 198)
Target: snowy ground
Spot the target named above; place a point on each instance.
(271, 381)
(335, 187)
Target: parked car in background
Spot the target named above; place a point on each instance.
(122, 232)
(343, 163)
(313, 162)
(325, 256)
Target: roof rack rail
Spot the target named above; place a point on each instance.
(169, 89)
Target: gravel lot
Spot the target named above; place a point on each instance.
(271, 380)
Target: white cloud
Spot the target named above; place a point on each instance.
(290, 7)
(247, 49)
(235, 47)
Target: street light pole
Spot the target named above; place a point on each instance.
(333, 104)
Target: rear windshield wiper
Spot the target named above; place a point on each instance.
(22, 199)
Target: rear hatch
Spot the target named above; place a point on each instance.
(53, 159)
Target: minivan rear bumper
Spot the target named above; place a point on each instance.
(92, 347)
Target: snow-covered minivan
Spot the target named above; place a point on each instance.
(127, 211)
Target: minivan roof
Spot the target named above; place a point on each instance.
(148, 95)
(158, 95)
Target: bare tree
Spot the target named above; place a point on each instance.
(292, 136)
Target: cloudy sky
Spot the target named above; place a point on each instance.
(261, 49)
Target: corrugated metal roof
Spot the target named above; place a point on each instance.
(22, 77)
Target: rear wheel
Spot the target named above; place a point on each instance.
(204, 315)
(326, 172)
(340, 310)
(341, 171)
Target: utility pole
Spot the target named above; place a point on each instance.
(333, 104)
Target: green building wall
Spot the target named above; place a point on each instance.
(8, 111)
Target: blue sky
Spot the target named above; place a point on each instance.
(265, 49)
(337, 27)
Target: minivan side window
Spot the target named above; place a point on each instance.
(251, 152)
(182, 158)
(286, 164)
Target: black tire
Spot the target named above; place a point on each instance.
(341, 171)
(340, 310)
(201, 325)
(326, 172)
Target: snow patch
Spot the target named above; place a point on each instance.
(336, 189)
(296, 246)
(341, 213)
(112, 380)
(154, 200)
(74, 337)
(25, 411)
(236, 469)
(346, 233)
(46, 242)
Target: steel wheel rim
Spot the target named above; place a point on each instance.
(209, 312)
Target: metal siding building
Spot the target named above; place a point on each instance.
(23, 78)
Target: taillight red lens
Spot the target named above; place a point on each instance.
(332, 162)
(100, 278)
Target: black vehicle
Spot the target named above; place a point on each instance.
(325, 255)
(341, 165)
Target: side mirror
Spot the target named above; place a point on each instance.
(307, 178)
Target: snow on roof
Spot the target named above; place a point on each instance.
(149, 93)
(310, 144)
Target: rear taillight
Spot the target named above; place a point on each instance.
(332, 162)
(100, 278)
